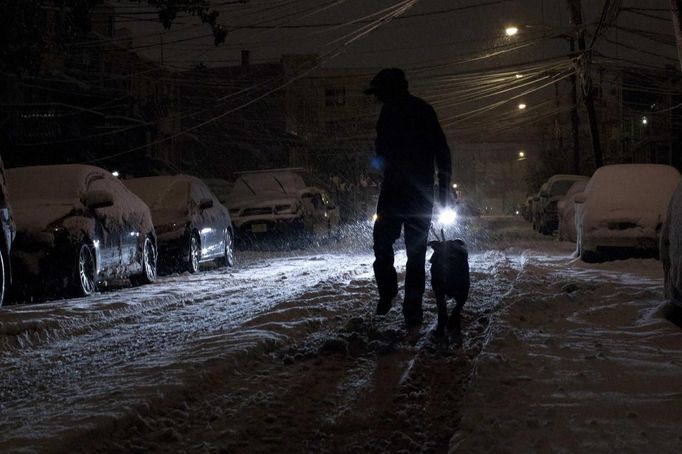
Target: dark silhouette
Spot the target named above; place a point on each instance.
(409, 140)
(450, 278)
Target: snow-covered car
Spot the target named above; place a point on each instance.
(219, 187)
(279, 202)
(537, 203)
(77, 227)
(557, 187)
(622, 209)
(191, 224)
(566, 211)
(671, 248)
(526, 208)
(7, 233)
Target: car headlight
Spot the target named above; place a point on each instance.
(447, 216)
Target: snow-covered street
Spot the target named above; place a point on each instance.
(283, 354)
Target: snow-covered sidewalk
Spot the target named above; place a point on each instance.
(580, 358)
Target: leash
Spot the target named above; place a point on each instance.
(435, 233)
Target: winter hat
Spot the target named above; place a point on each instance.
(388, 80)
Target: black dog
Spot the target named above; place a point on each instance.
(450, 278)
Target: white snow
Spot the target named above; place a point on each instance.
(283, 354)
(566, 211)
(637, 193)
(44, 194)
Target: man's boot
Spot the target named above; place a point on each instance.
(385, 304)
(412, 311)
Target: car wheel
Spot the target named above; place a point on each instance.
(149, 258)
(194, 254)
(84, 280)
(587, 256)
(228, 260)
(3, 280)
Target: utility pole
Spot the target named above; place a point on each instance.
(676, 10)
(575, 119)
(575, 10)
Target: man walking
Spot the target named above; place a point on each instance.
(409, 140)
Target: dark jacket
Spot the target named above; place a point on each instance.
(409, 140)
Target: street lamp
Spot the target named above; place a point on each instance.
(522, 106)
(511, 30)
(522, 154)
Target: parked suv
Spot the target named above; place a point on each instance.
(7, 234)
(279, 202)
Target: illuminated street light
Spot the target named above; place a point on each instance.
(511, 31)
(454, 185)
(522, 106)
(645, 121)
(518, 76)
(522, 154)
(115, 173)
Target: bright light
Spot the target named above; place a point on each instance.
(517, 212)
(115, 173)
(522, 154)
(511, 31)
(375, 217)
(522, 106)
(454, 185)
(518, 76)
(645, 120)
(447, 217)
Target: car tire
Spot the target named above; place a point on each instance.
(149, 260)
(84, 279)
(228, 259)
(587, 256)
(193, 254)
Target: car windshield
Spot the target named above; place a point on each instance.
(561, 187)
(263, 183)
(161, 192)
(58, 184)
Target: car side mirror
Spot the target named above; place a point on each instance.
(580, 197)
(205, 204)
(98, 199)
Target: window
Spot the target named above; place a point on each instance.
(335, 97)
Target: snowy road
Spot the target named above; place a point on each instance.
(283, 354)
